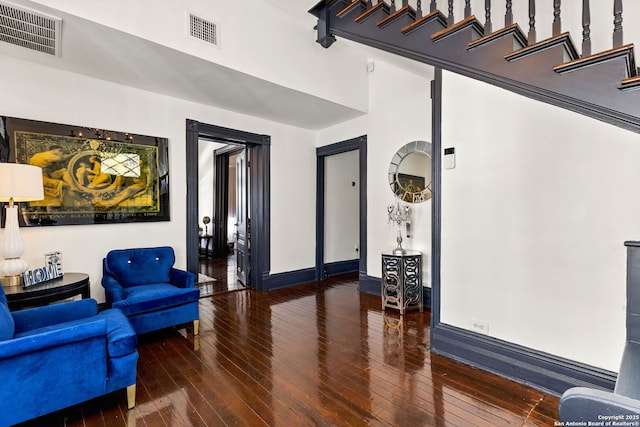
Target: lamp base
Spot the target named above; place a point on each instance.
(10, 281)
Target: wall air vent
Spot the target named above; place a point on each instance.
(30, 29)
(203, 29)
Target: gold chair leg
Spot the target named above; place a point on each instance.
(131, 396)
(131, 418)
(196, 327)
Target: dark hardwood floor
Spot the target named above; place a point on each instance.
(218, 275)
(317, 354)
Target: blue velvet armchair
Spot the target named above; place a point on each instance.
(143, 283)
(623, 404)
(56, 356)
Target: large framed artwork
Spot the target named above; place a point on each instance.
(90, 176)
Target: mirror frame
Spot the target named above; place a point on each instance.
(424, 147)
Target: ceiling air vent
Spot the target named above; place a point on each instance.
(28, 28)
(203, 29)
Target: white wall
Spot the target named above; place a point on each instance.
(399, 112)
(533, 222)
(342, 207)
(39, 93)
(255, 38)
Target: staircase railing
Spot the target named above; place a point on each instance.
(538, 12)
(546, 64)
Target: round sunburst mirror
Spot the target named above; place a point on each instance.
(410, 172)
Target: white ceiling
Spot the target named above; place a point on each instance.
(132, 61)
(135, 62)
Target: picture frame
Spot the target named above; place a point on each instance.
(90, 175)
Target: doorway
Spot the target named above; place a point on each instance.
(322, 153)
(218, 204)
(257, 148)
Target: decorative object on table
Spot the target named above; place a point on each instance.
(402, 281)
(18, 183)
(206, 220)
(51, 270)
(410, 172)
(92, 176)
(399, 214)
(53, 258)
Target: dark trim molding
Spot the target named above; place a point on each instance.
(360, 144)
(436, 198)
(220, 204)
(543, 371)
(341, 267)
(370, 285)
(258, 154)
(289, 278)
(522, 364)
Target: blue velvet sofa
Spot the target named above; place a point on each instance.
(583, 404)
(55, 356)
(143, 283)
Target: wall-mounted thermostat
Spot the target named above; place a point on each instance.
(449, 161)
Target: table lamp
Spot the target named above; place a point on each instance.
(18, 183)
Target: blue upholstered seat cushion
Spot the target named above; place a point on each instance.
(7, 325)
(121, 338)
(145, 298)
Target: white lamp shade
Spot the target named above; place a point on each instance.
(21, 182)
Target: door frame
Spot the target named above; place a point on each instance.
(360, 144)
(259, 147)
(221, 198)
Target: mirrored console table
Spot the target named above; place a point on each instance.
(402, 281)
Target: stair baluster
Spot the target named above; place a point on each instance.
(405, 3)
(467, 8)
(392, 8)
(450, 19)
(531, 38)
(369, 4)
(557, 22)
(487, 16)
(433, 6)
(617, 23)
(586, 28)
(508, 16)
(419, 9)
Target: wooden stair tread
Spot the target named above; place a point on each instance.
(513, 30)
(469, 22)
(563, 40)
(406, 10)
(630, 83)
(436, 15)
(350, 7)
(625, 52)
(379, 6)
